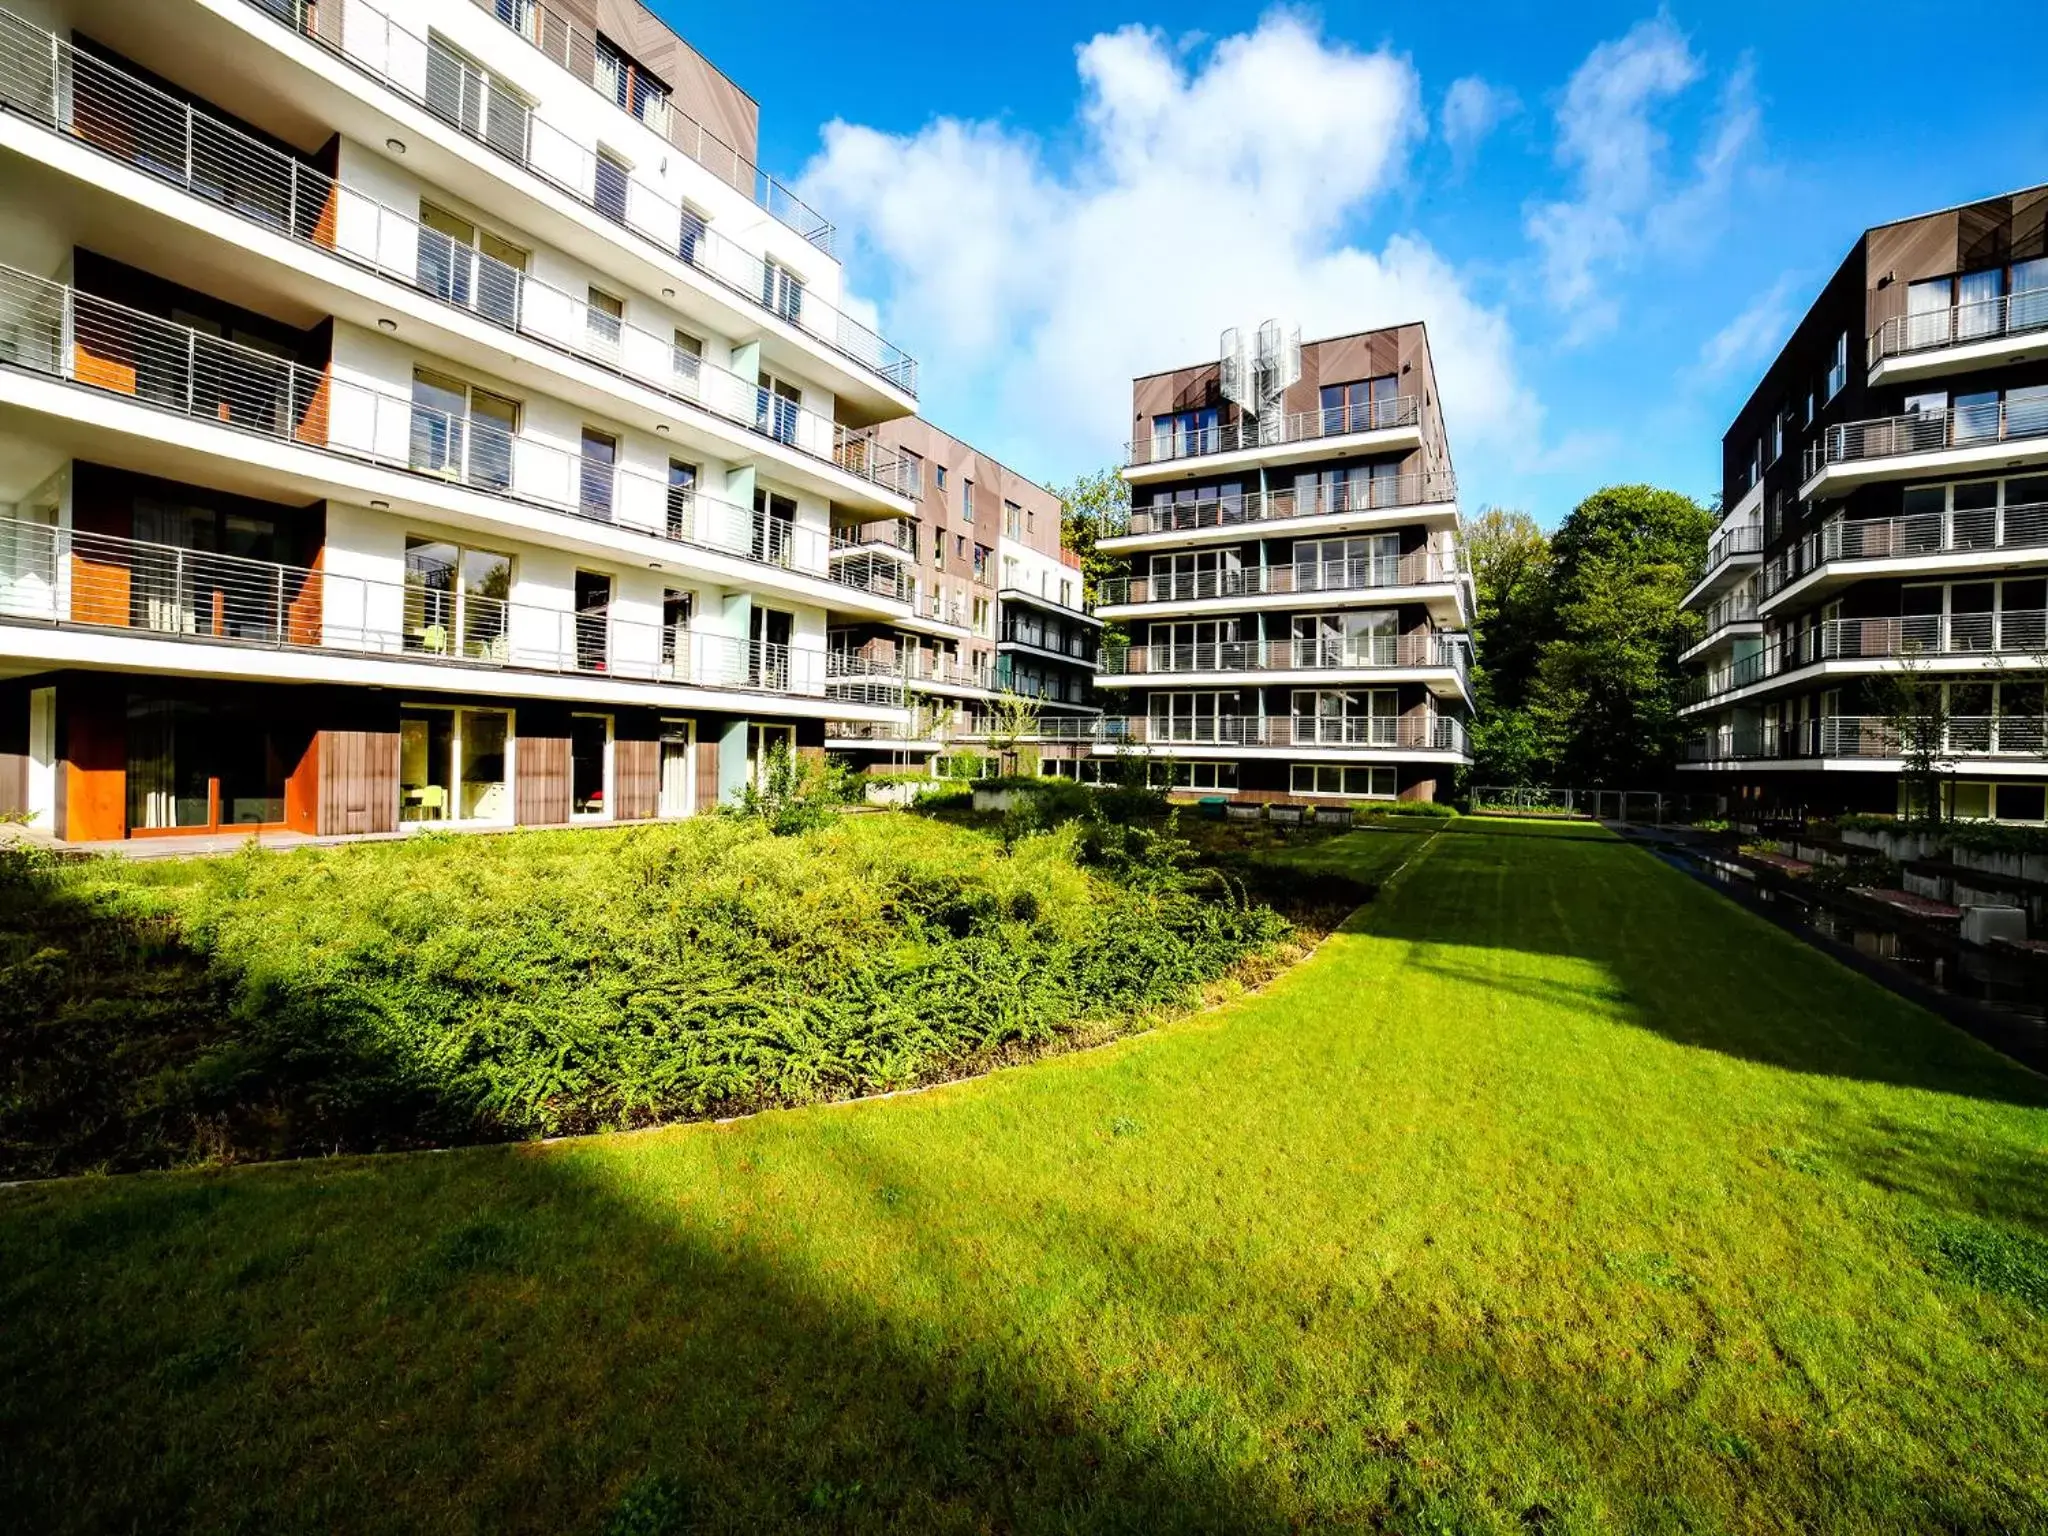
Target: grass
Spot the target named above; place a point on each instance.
(448, 989)
(1554, 1195)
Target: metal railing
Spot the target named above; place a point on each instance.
(2023, 525)
(1170, 443)
(76, 579)
(81, 339)
(452, 90)
(1955, 736)
(1415, 569)
(1933, 637)
(1961, 426)
(1365, 494)
(918, 667)
(1045, 599)
(1731, 544)
(901, 537)
(1735, 608)
(1069, 648)
(130, 121)
(1344, 653)
(570, 46)
(2013, 314)
(1427, 733)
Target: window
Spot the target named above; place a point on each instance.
(603, 318)
(688, 357)
(1181, 717)
(966, 501)
(981, 554)
(464, 96)
(1838, 371)
(682, 500)
(960, 546)
(690, 237)
(1182, 434)
(1339, 717)
(457, 600)
(462, 432)
(676, 608)
(590, 766)
(782, 291)
(453, 764)
(611, 189)
(597, 475)
(981, 617)
(774, 528)
(1376, 783)
(1066, 593)
(460, 264)
(1013, 520)
(1364, 405)
(1777, 437)
(942, 479)
(593, 621)
(627, 82)
(778, 408)
(1812, 408)
(768, 631)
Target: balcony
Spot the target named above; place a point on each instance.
(1080, 614)
(88, 342)
(898, 540)
(1374, 733)
(1928, 540)
(1265, 438)
(139, 126)
(447, 86)
(1735, 612)
(1965, 437)
(576, 50)
(2005, 329)
(1418, 568)
(1944, 642)
(75, 580)
(1958, 736)
(1350, 653)
(1350, 500)
(918, 667)
(1729, 553)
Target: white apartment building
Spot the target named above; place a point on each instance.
(417, 414)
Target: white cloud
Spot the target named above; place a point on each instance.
(1472, 109)
(1627, 202)
(1205, 189)
(1754, 335)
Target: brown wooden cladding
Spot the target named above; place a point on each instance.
(707, 775)
(354, 783)
(540, 790)
(636, 779)
(95, 752)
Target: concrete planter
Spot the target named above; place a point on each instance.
(1284, 815)
(899, 794)
(998, 799)
(1896, 846)
(1244, 812)
(2014, 866)
(1335, 816)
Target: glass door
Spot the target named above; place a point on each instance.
(590, 765)
(678, 793)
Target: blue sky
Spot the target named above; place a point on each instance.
(1608, 214)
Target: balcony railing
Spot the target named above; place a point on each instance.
(1735, 608)
(1044, 599)
(1732, 544)
(1913, 537)
(1376, 494)
(2015, 314)
(901, 537)
(1956, 736)
(1424, 733)
(575, 49)
(75, 579)
(1930, 637)
(133, 122)
(1415, 569)
(918, 667)
(1167, 444)
(1069, 648)
(1342, 654)
(1961, 426)
(81, 339)
(451, 89)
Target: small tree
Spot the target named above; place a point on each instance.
(1012, 718)
(1915, 713)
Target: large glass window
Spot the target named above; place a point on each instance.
(1181, 434)
(453, 765)
(1363, 405)
(1368, 782)
(456, 600)
(590, 764)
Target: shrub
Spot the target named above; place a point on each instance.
(1427, 809)
(793, 795)
(450, 988)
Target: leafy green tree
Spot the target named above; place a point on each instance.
(1509, 557)
(1604, 698)
(1095, 506)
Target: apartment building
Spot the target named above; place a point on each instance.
(415, 414)
(996, 607)
(1877, 589)
(1295, 602)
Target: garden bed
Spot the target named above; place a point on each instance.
(444, 990)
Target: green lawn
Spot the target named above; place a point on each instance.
(1558, 1195)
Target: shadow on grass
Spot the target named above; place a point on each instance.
(525, 1341)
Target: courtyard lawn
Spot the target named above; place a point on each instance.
(1555, 1195)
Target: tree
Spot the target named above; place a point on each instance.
(1095, 506)
(1915, 713)
(1509, 557)
(1012, 718)
(1604, 699)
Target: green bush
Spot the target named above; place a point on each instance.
(1427, 809)
(450, 988)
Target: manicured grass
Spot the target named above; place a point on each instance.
(1558, 1195)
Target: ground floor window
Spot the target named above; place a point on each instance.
(1967, 801)
(453, 765)
(1378, 783)
(762, 740)
(196, 768)
(678, 790)
(590, 765)
(1160, 773)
